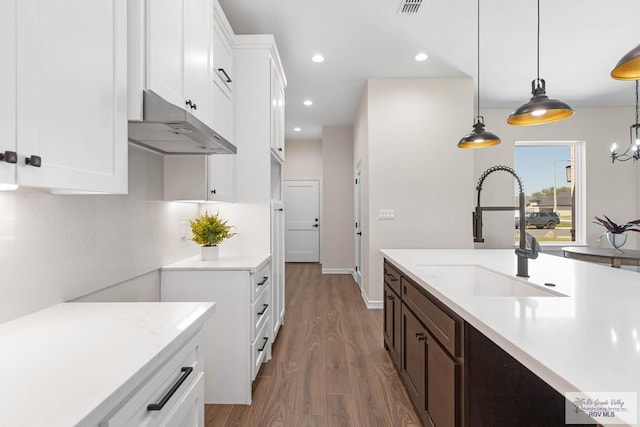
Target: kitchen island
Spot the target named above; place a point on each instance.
(90, 364)
(579, 335)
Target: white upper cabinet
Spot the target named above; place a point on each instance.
(63, 109)
(8, 93)
(277, 112)
(199, 178)
(222, 88)
(178, 53)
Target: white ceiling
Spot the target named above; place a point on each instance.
(581, 41)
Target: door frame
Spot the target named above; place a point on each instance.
(284, 180)
(357, 213)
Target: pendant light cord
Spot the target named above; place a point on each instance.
(538, 48)
(478, 101)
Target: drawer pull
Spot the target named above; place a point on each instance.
(420, 336)
(264, 309)
(186, 370)
(264, 344)
(391, 277)
(263, 281)
(221, 70)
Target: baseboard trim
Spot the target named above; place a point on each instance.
(337, 271)
(371, 305)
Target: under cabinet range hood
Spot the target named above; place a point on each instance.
(168, 129)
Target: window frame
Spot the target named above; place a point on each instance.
(580, 176)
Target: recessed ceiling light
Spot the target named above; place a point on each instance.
(297, 129)
(317, 58)
(308, 102)
(421, 57)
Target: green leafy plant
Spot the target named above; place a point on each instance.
(614, 228)
(210, 230)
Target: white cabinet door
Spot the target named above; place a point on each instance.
(165, 49)
(221, 177)
(277, 114)
(71, 94)
(222, 84)
(8, 90)
(277, 267)
(197, 59)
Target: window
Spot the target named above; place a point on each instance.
(552, 174)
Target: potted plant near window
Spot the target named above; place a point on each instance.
(616, 233)
(209, 231)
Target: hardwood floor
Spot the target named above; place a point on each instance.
(329, 366)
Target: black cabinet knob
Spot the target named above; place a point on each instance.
(9, 157)
(35, 161)
(191, 104)
(280, 149)
(213, 191)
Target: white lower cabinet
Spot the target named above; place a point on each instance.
(173, 396)
(238, 340)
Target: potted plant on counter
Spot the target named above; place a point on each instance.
(209, 231)
(616, 233)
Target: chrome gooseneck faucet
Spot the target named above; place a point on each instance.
(523, 253)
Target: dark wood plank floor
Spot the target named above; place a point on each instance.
(329, 366)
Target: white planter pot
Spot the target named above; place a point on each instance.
(209, 253)
(617, 240)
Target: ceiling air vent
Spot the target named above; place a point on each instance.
(409, 7)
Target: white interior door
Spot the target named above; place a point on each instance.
(358, 226)
(302, 220)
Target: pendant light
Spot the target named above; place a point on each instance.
(479, 137)
(540, 109)
(628, 68)
(633, 150)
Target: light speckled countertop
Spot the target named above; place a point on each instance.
(63, 365)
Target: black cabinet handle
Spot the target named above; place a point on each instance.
(263, 281)
(221, 70)
(264, 344)
(359, 233)
(264, 309)
(280, 149)
(279, 209)
(213, 191)
(420, 336)
(390, 297)
(9, 157)
(315, 225)
(186, 370)
(391, 277)
(191, 104)
(35, 161)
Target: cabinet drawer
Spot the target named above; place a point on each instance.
(259, 280)
(392, 277)
(259, 349)
(445, 327)
(184, 368)
(260, 311)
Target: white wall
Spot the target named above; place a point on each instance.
(414, 168)
(612, 189)
(55, 248)
(338, 252)
(304, 159)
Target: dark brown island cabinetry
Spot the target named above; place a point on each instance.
(455, 376)
(424, 340)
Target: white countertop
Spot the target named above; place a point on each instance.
(251, 263)
(63, 365)
(588, 341)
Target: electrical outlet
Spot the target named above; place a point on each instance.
(183, 229)
(386, 215)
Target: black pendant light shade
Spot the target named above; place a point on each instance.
(628, 68)
(479, 138)
(540, 109)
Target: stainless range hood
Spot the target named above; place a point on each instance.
(168, 129)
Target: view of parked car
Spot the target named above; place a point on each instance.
(540, 220)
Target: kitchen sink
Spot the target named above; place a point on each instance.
(477, 281)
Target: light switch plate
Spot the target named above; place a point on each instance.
(386, 215)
